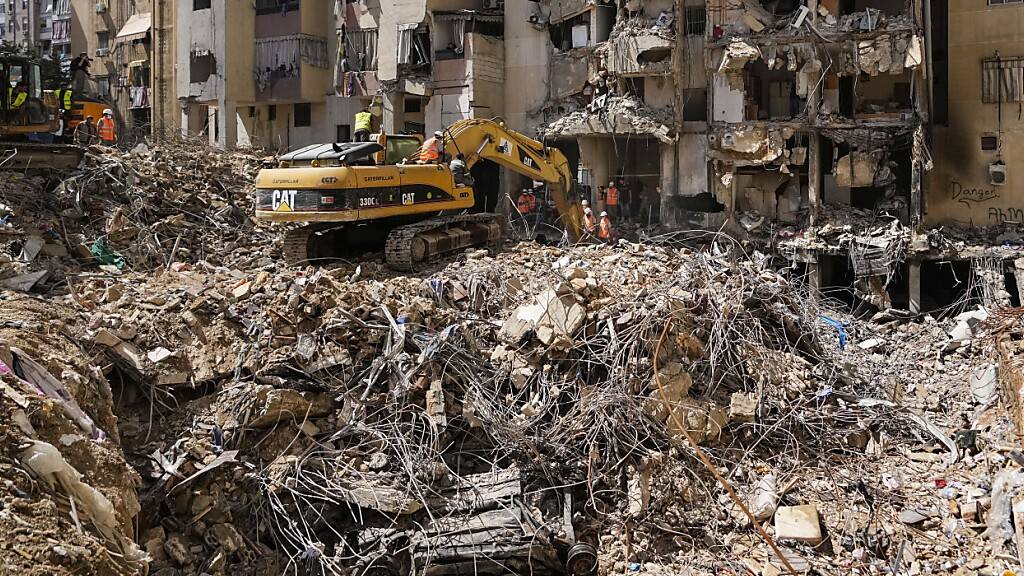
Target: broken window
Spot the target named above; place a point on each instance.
(361, 49)
(571, 33)
(413, 45)
(771, 94)
(695, 105)
(303, 115)
(635, 86)
(696, 20)
(451, 37)
(1003, 80)
(201, 66)
(275, 6)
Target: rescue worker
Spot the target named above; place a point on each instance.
(85, 132)
(363, 125)
(105, 128)
(433, 149)
(604, 228)
(460, 171)
(80, 71)
(589, 222)
(64, 101)
(524, 202)
(585, 204)
(17, 96)
(611, 200)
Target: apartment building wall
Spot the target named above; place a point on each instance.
(974, 135)
(166, 113)
(22, 22)
(116, 34)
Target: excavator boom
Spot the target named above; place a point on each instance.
(480, 139)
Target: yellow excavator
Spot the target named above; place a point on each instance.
(28, 118)
(368, 193)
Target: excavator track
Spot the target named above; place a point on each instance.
(28, 155)
(427, 241)
(296, 245)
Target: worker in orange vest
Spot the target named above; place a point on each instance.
(525, 202)
(604, 228)
(589, 222)
(105, 128)
(611, 199)
(432, 149)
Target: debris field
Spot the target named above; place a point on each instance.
(177, 400)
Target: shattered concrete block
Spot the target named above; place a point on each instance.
(228, 538)
(105, 337)
(552, 316)
(273, 405)
(857, 169)
(242, 291)
(24, 282)
(798, 523)
(55, 250)
(742, 407)
(970, 511)
(178, 549)
(984, 384)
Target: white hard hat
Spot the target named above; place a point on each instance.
(604, 213)
(612, 183)
(438, 134)
(108, 111)
(585, 203)
(588, 211)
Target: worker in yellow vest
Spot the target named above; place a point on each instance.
(105, 128)
(363, 125)
(64, 101)
(16, 96)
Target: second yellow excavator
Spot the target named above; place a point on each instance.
(368, 193)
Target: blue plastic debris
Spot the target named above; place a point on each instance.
(839, 328)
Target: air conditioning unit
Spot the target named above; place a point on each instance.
(997, 173)
(101, 7)
(494, 4)
(102, 51)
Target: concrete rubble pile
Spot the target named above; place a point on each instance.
(530, 409)
(540, 410)
(140, 209)
(621, 114)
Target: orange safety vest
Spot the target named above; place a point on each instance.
(612, 196)
(589, 221)
(524, 203)
(106, 129)
(533, 201)
(605, 231)
(431, 151)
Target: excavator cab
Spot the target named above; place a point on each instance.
(25, 108)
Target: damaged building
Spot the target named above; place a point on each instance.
(612, 85)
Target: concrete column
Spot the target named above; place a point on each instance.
(914, 285)
(815, 179)
(596, 153)
(814, 273)
(393, 119)
(227, 125)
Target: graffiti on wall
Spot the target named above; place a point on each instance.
(968, 196)
(1006, 214)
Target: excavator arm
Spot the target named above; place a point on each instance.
(480, 139)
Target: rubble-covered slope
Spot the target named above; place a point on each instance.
(536, 410)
